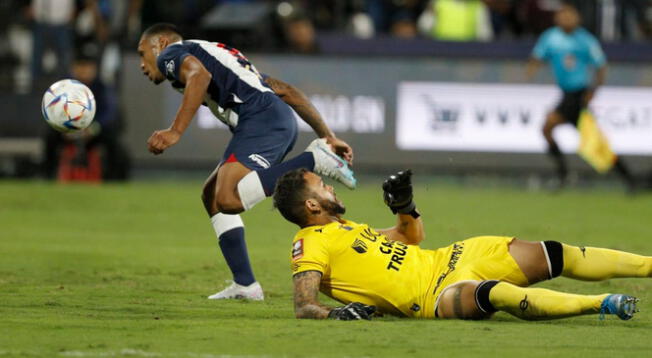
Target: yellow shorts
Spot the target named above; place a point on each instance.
(478, 259)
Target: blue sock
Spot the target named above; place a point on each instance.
(269, 176)
(234, 250)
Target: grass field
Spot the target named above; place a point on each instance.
(107, 271)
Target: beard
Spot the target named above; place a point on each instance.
(333, 207)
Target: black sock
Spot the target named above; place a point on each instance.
(560, 162)
(624, 172)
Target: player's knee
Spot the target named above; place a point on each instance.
(227, 203)
(547, 128)
(208, 199)
(459, 301)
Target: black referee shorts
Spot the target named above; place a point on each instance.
(571, 105)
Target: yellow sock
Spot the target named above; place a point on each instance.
(594, 264)
(540, 303)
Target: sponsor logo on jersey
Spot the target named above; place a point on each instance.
(458, 249)
(297, 249)
(359, 246)
(169, 67)
(524, 304)
(260, 160)
(396, 251)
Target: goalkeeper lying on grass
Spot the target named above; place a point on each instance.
(372, 270)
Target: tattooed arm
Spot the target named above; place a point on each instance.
(408, 230)
(306, 290)
(304, 108)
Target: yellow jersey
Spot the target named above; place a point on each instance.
(358, 264)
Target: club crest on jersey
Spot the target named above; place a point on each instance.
(169, 67)
(297, 249)
(260, 160)
(359, 246)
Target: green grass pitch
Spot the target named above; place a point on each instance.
(124, 270)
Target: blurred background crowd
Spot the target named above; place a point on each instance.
(39, 37)
(45, 40)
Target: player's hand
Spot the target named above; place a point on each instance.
(341, 148)
(397, 192)
(162, 140)
(352, 311)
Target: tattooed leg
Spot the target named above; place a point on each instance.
(458, 301)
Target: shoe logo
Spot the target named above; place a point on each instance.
(260, 160)
(337, 159)
(583, 249)
(359, 246)
(524, 304)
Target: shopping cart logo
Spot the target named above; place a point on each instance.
(442, 117)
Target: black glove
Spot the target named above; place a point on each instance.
(352, 311)
(398, 193)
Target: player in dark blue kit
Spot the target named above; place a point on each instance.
(258, 111)
(574, 55)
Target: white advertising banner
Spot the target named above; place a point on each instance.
(509, 118)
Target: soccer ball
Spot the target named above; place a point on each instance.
(68, 105)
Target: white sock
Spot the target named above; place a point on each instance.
(224, 222)
(251, 191)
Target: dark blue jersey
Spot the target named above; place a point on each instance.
(235, 81)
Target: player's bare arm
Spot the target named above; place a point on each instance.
(397, 193)
(296, 99)
(408, 230)
(306, 304)
(533, 66)
(196, 79)
(306, 292)
(598, 80)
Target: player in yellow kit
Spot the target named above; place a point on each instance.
(386, 271)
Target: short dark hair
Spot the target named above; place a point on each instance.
(290, 195)
(162, 28)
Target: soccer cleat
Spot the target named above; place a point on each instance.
(330, 164)
(623, 306)
(252, 292)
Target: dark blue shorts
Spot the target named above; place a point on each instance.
(265, 134)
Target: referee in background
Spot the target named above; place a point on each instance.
(575, 55)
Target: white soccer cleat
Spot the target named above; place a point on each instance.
(252, 292)
(330, 164)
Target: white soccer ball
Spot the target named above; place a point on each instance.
(68, 105)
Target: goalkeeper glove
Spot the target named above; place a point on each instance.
(398, 193)
(352, 311)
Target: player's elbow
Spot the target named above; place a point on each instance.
(415, 239)
(301, 313)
